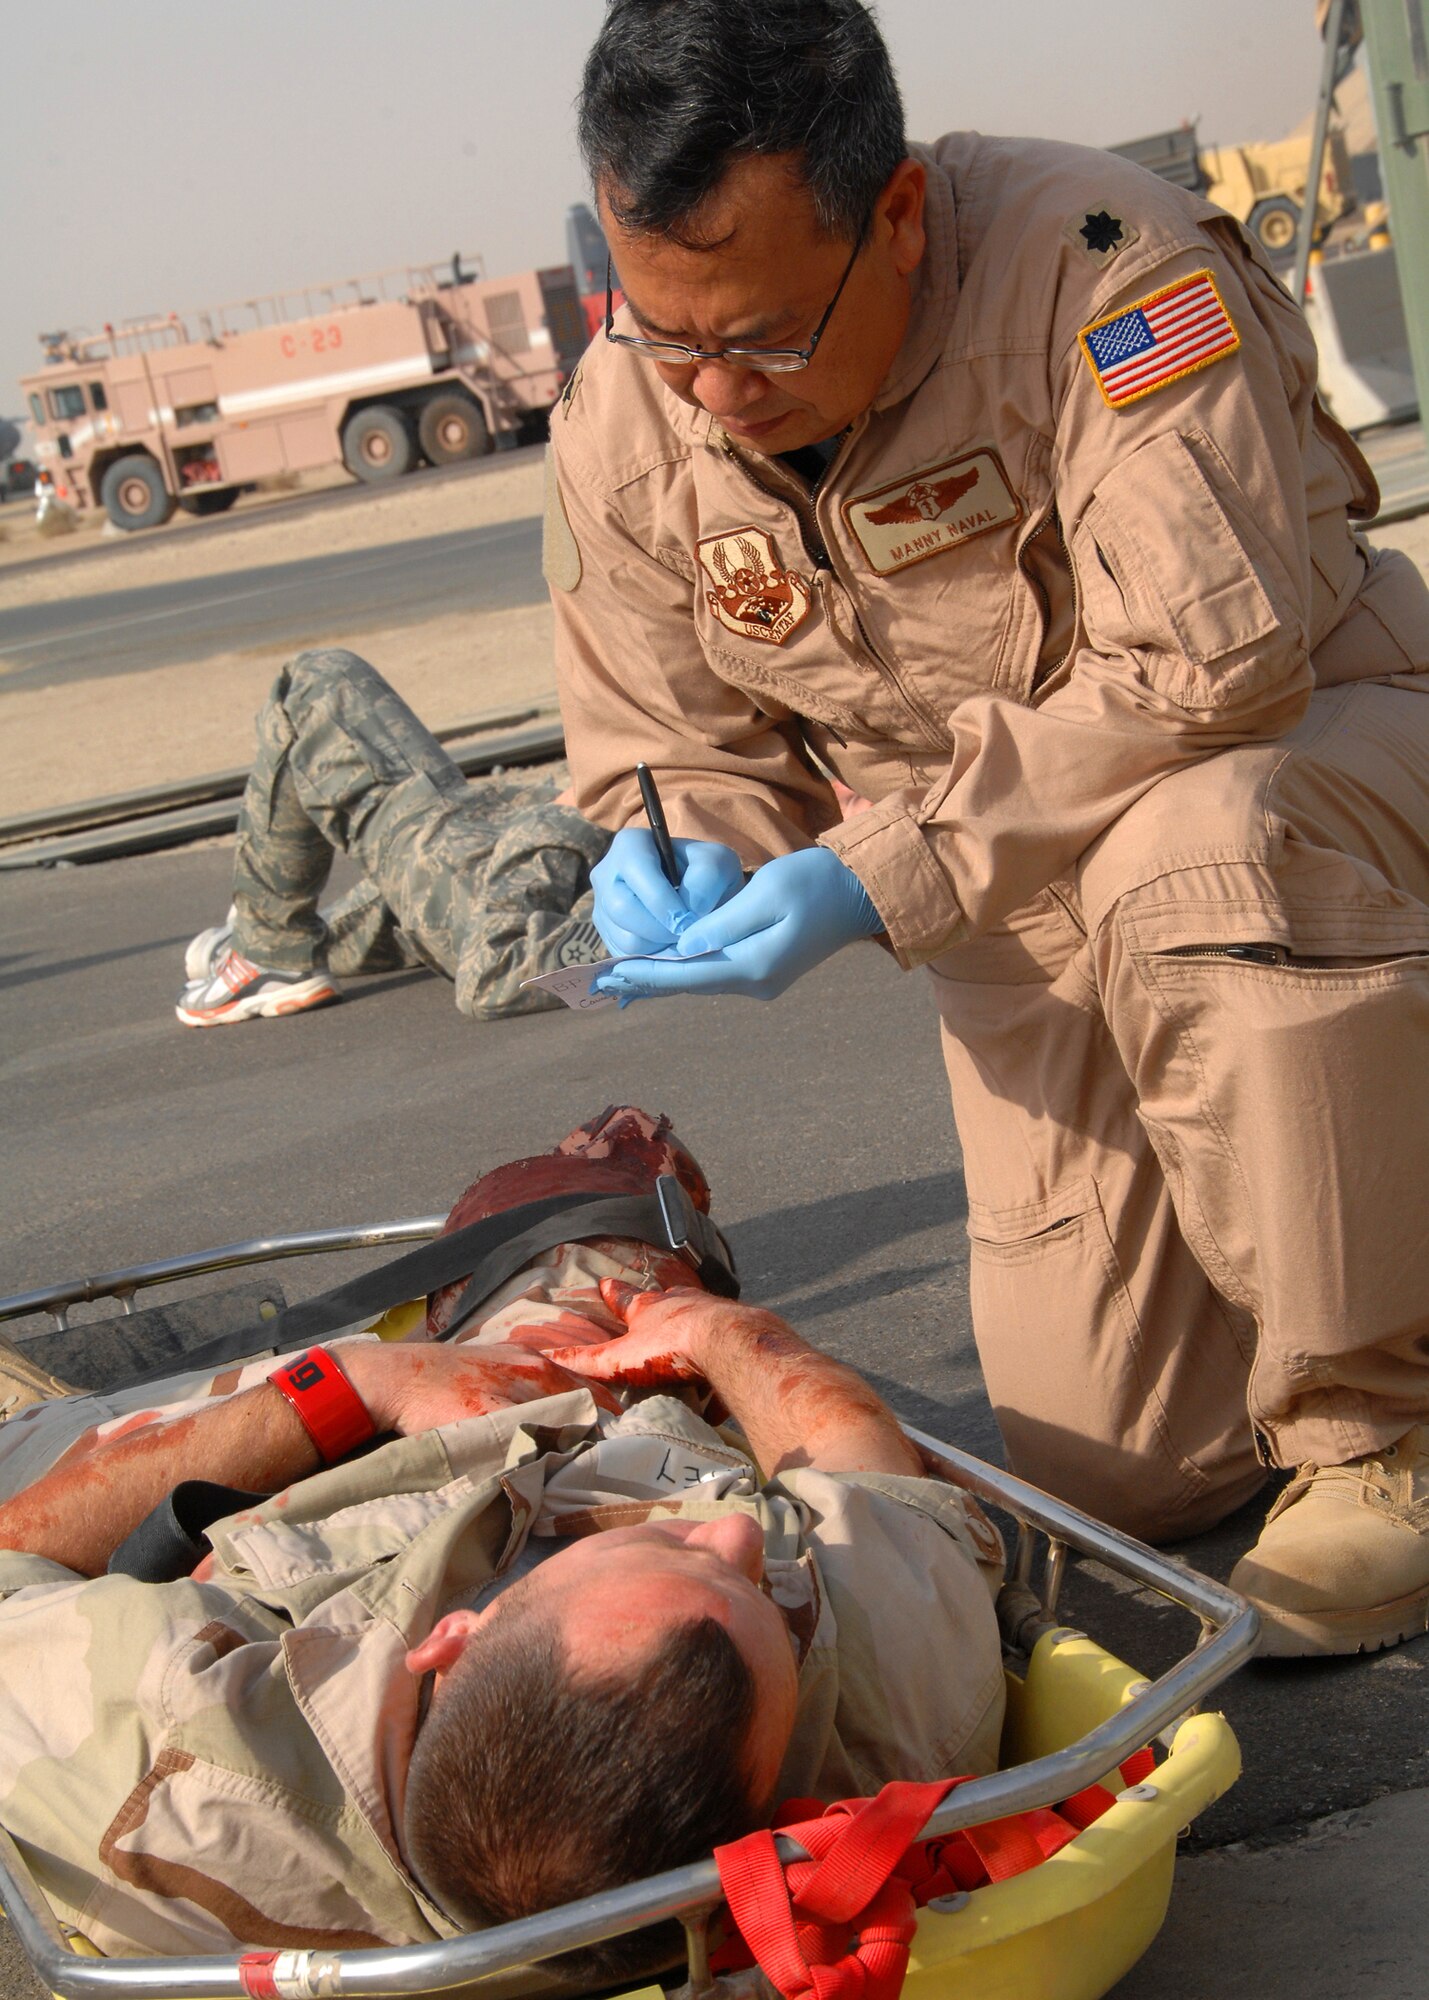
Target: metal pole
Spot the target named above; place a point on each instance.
(165, 454)
(1329, 72)
(1397, 48)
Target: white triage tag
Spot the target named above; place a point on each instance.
(574, 984)
(926, 512)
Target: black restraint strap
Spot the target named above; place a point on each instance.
(639, 1218)
(487, 1253)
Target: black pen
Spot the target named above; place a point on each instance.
(655, 813)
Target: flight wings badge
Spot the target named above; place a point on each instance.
(924, 500)
(926, 512)
(752, 593)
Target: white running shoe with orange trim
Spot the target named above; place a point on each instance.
(238, 990)
(208, 948)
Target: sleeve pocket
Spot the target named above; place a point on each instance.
(1173, 568)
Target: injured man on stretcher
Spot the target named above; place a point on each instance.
(541, 1599)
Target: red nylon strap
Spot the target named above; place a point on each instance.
(1008, 1847)
(866, 1873)
(874, 1837)
(255, 1974)
(1139, 1765)
(754, 1888)
(797, 1926)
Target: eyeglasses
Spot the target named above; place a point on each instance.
(767, 360)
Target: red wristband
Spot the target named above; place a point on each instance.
(334, 1415)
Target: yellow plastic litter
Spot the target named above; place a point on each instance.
(400, 1322)
(1071, 1928)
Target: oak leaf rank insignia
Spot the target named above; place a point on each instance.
(752, 594)
(1100, 235)
(1101, 231)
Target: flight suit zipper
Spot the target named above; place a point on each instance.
(1245, 954)
(789, 489)
(1279, 954)
(1054, 522)
(818, 552)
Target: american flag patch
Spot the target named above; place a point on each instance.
(1159, 339)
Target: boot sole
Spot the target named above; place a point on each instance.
(261, 1007)
(1287, 1635)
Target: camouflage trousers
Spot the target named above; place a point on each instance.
(485, 880)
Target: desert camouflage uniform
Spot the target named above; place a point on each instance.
(484, 880)
(188, 1766)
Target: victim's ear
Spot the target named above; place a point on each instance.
(445, 1643)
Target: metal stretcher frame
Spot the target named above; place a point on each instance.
(1228, 1629)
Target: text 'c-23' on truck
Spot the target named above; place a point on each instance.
(379, 373)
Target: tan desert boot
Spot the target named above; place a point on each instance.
(1342, 1564)
(22, 1382)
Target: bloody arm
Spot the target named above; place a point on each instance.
(80, 1511)
(796, 1406)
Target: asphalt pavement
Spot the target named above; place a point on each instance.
(86, 635)
(186, 621)
(823, 1124)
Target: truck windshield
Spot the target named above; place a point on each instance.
(66, 401)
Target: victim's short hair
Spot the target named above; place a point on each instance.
(675, 90)
(530, 1786)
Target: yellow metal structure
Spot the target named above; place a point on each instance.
(1263, 186)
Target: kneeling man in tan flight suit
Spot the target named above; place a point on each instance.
(989, 477)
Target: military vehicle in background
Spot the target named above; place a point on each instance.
(590, 256)
(379, 373)
(1263, 185)
(17, 471)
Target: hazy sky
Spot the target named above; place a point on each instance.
(164, 154)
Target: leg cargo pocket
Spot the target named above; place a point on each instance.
(1065, 1362)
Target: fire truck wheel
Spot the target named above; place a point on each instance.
(210, 503)
(1273, 222)
(452, 428)
(134, 494)
(378, 444)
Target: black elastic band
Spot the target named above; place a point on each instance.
(166, 1543)
(486, 1254)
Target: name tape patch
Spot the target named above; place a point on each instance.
(927, 512)
(1158, 340)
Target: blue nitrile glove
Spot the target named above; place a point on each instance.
(637, 910)
(793, 912)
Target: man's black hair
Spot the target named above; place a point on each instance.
(675, 90)
(530, 1786)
